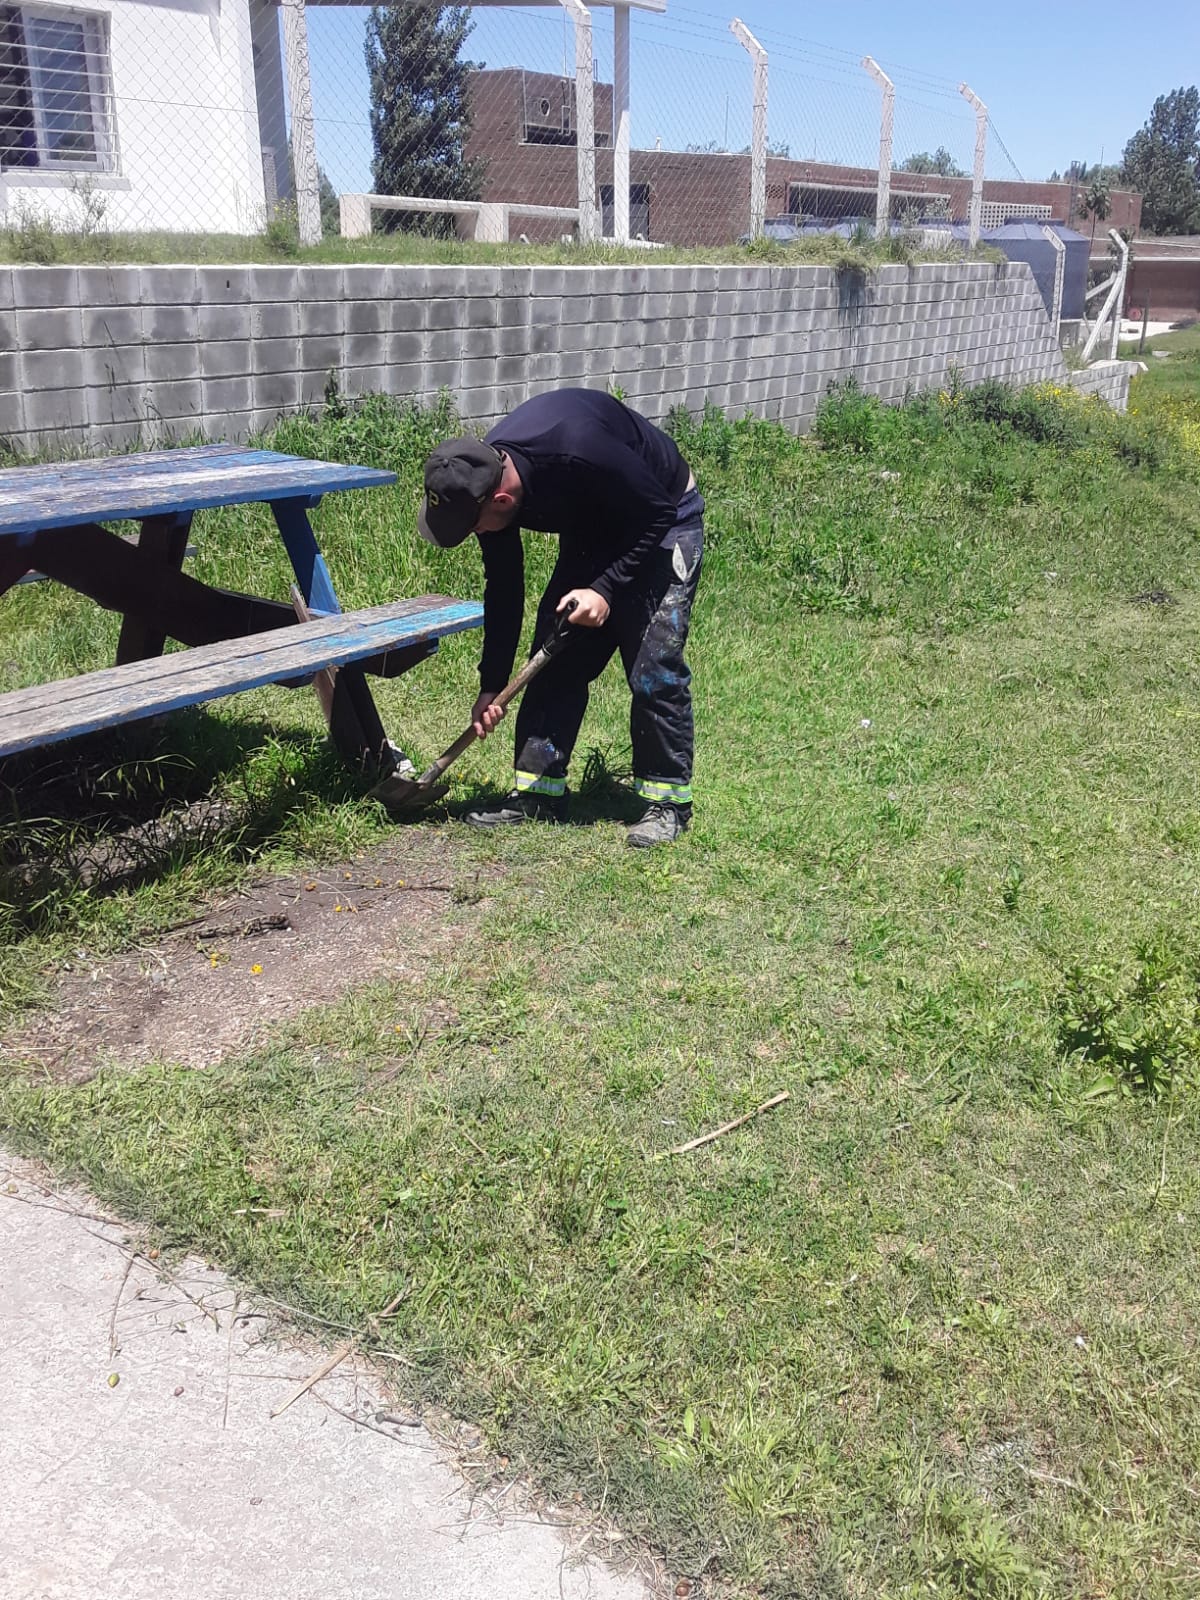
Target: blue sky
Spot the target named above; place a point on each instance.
(1061, 81)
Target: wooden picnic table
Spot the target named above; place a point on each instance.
(50, 524)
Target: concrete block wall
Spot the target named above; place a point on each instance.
(103, 356)
(1109, 379)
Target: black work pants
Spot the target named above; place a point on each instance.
(648, 624)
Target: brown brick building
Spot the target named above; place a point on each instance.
(1164, 277)
(524, 128)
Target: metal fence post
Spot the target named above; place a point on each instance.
(981, 122)
(883, 195)
(758, 127)
(304, 146)
(585, 119)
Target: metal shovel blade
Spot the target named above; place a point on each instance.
(408, 796)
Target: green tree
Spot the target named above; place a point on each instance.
(420, 110)
(1162, 161)
(331, 210)
(940, 164)
(1078, 172)
(1095, 202)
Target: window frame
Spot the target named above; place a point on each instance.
(98, 58)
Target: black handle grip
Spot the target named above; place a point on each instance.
(561, 630)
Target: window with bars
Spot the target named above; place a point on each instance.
(55, 99)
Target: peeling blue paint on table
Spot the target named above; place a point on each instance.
(117, 488)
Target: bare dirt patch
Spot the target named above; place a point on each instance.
(218, 983)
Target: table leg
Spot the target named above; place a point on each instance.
(14, 562)
(350, 710)
(162, 539)
(349, 706)
(308, 563)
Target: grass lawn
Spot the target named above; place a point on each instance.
(1180, 374)
(929, 1327)
(1179, 342)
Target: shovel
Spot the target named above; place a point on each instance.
(408, 796)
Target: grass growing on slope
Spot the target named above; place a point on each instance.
(33, 239)
(929, 1327)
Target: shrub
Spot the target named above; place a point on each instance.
(281, 234)
(848, 419)
(1144, 1034)
(32, 237)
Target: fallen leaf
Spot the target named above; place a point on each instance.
(113, 1380)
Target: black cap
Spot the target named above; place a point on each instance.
(459, 477)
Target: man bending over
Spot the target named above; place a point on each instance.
(630, 526)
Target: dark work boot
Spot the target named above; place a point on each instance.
(521, 805)
(660, 823)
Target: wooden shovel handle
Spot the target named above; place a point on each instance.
(509, 692)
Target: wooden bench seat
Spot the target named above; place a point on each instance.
(48, 713)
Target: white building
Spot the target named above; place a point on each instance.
(166, 114)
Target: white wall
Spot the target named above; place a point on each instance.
(188, 153)
(268, 76)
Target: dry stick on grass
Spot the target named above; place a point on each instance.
(336, 1359)
(726, 1127)
(295, 1311)
(1063, 1483)
(1162, 1171)
(361, 1422)
(65, 1211)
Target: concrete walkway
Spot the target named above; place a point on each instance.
(175, 1481)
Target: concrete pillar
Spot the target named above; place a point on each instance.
(758, 127)
(304, 146)
(621, 130)
(1060, 256)
(355, 213)
(981, 121)
(491, 222)
(883, 195)
(585, 120)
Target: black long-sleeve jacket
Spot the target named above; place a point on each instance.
(603, 478)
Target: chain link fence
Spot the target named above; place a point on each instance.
(636, 123)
